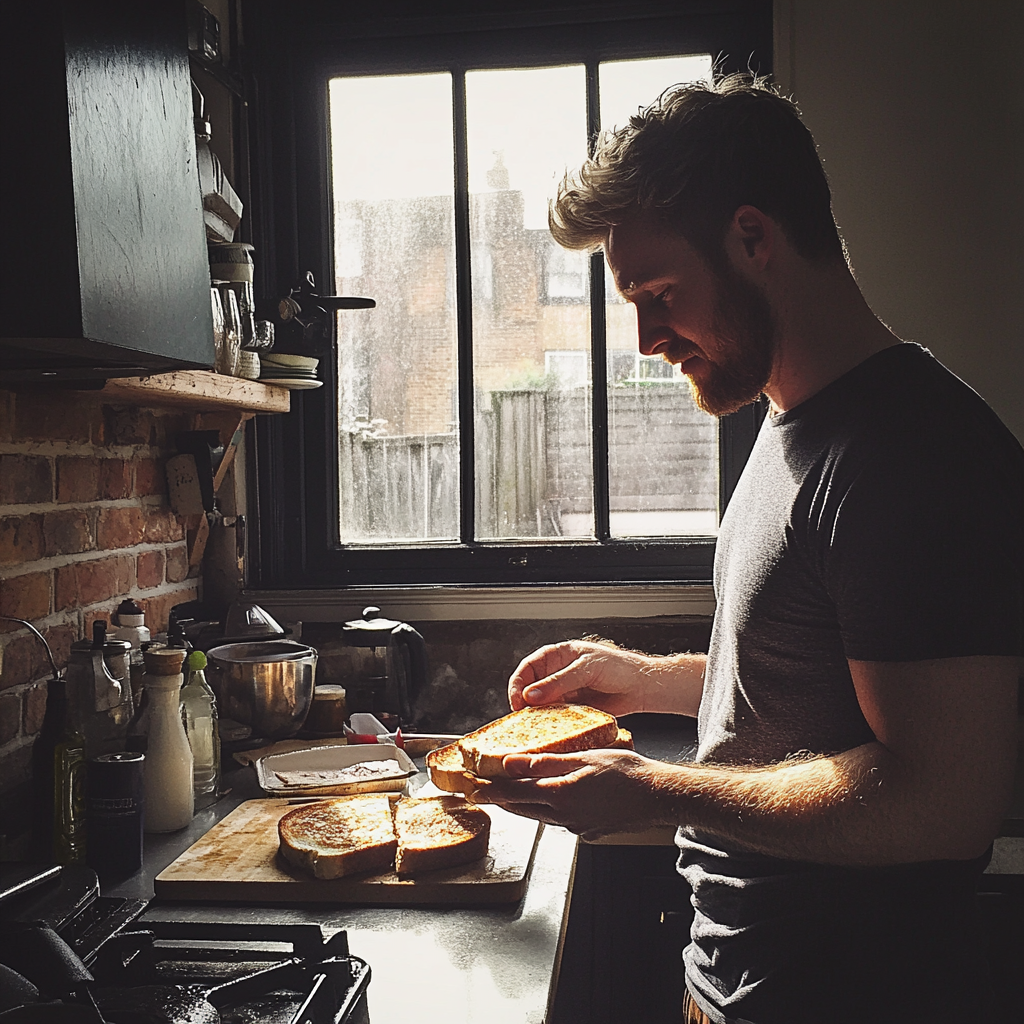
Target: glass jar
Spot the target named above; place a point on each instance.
(227, 355)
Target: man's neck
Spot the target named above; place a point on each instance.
(824, 328)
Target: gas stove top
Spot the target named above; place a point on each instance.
(165, 971)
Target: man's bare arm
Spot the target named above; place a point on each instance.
(608, 677)
(934, 785)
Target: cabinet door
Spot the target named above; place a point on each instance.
(142, 252)
(102, 190)
(629, 920)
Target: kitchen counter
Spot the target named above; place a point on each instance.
(464, 965)
(434, 965)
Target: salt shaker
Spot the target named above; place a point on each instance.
(167, 776)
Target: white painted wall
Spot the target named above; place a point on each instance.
(918, 110)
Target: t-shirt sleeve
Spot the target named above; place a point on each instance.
(924, 552)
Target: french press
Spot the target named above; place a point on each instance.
(389, 666)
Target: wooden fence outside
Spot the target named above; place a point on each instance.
(533, 466)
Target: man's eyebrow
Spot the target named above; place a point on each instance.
(631, 287)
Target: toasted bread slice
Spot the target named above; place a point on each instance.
(551, 729)
(447, 770)
(344, 836)
(439, 832)
(623, 741)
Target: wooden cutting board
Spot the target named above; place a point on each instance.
(237, 861)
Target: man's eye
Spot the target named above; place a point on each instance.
(662, 296)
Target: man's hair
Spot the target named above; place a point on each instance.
(696, 155)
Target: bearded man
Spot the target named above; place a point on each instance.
(857, 707)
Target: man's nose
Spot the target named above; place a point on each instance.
(654, 337)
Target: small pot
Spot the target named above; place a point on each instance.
(266, 685)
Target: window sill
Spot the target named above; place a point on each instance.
(447, 604)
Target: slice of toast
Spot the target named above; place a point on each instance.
(344, 836)
(623, 741)
(551, 729)
(438, 832)
(447, 770)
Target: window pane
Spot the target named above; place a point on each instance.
(662, 450)
(531, 312)
(393, 183)
(626, 86)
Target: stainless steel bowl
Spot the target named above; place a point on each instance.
(266, 685)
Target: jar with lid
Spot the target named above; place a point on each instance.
(167, 775)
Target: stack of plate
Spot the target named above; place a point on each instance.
(295, 372)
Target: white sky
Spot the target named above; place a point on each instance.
(392, 136)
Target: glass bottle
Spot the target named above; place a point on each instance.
(199, 716)
(131, 622)
(68, 779)
(227, 357)
(167, 775)
(138, 728)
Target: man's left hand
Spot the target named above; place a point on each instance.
(594, 793)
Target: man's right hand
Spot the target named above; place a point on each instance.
(582, 672)
(604, 676)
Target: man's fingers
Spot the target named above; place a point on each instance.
(541, 766)
(543, 675)
(560, 685)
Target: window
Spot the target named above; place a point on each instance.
(491, 419)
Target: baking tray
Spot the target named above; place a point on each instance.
(334, 758)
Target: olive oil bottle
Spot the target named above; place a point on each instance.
(68, 778)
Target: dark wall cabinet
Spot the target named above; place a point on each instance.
(106, 272)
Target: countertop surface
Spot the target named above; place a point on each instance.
(460, 965)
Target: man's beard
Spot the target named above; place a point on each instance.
(743, 323)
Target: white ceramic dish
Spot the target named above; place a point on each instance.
(292, 384)
(286, 359)
(334, 759)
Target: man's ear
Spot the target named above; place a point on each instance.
(750, 238)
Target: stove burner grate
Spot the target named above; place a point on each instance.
(252, 974)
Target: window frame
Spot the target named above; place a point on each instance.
(296, 50)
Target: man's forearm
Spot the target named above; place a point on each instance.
(674, 684)
(855, 808)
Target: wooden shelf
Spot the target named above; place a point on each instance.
(199, 390)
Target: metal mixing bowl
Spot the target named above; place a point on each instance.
(266, 685)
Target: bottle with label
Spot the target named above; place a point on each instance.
(167, 774)
(199, 716)
(131, 624)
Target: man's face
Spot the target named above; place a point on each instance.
(712, 322)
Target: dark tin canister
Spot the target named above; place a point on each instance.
(114, 814)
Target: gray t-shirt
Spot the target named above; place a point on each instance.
(881, 520)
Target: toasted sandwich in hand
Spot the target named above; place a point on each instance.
(551, 729)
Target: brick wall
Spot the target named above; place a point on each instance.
(84, 523)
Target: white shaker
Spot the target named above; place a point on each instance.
(167, 775)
